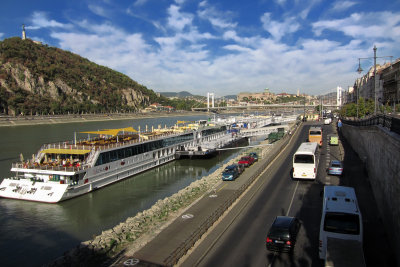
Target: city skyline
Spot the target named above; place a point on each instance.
(310, 46)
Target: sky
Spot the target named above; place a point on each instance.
(223, 47)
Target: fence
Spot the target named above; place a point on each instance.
(174, 257)
(391, 123)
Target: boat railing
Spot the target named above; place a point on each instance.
(49, 167)
(108, 144)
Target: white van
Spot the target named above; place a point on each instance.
(341, 217)
(305, 161)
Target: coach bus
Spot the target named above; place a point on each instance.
(315, 135)
(305, 161)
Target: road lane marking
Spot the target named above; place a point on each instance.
(291, 201)
(222, 187)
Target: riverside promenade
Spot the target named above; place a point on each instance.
(178, 237)
(73, 118)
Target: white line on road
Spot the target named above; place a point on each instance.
(291, 201)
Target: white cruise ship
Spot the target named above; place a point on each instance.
(65, 170)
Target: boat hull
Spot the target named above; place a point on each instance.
(33, 191)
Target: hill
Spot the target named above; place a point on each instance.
(38, 79)
(182, 94)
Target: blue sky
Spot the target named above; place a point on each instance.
(225, 47)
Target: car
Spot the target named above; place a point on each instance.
(335, 168)
(283, 234)
(246, 161)
(253, 155)
(333, 140)
(230, 173)
(327, 121)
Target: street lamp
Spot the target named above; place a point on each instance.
(359, 70)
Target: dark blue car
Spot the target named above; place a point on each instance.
(230, 173)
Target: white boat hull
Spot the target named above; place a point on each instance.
(32, 191)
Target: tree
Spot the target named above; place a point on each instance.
(362, 110)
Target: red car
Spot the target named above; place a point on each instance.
(246, 161)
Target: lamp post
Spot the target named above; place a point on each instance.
(359, 70)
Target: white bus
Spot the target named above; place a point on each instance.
(341, 217)
(305, 161)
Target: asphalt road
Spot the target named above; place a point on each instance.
(239, 237)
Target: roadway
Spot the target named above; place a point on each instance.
(239, 237)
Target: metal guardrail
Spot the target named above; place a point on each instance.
(180, 251)
(391, 123)
(48, 167)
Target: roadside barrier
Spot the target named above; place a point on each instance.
(391, 123)
(180, 251)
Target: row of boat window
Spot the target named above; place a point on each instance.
(122, 153)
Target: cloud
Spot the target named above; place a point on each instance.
(279, 29)
(139, 3)
(1, 35)
(178, 20)
(39, 20)
(307, 6)
(280, 2)
(340, 6)
(358, 25)
(98, 10)
(215, 17)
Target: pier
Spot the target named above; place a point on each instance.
(240, 129)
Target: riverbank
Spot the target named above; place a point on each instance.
(74, 118)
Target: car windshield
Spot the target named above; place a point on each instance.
(228, 171)
(342, 223)
(304, 159)
(277, 232)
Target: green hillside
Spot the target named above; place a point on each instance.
(38, 79)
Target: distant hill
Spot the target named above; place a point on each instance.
(185, 94)
(182, 94)
(230, 97)
(38, 79)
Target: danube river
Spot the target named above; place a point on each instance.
(33, 234)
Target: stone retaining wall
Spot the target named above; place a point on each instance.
(380, 151)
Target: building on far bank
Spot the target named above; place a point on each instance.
(257, 97)
(387, 85)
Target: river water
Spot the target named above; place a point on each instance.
(32, 234)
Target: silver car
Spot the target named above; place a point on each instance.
(335, 168)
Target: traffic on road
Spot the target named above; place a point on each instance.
(242, 238)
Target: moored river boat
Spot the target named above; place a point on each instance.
(69, 169)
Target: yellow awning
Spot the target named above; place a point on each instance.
(65, 151)
(112, 132)
(127, 129)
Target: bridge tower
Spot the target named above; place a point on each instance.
(339, 92)
(208, 100)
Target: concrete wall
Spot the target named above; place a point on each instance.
(380, 150)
